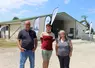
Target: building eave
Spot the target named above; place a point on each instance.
(22, 20)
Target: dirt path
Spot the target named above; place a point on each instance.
(83, 57)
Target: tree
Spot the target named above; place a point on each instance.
(84, 17)
(85, 20)
(15, 18)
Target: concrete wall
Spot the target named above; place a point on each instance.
(87, 37)
(14, 27)
(68, 25)
(80, 29)
(32, 23)
(14, 30)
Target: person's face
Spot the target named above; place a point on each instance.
(48, 28)
(27, 26)
(62, 34)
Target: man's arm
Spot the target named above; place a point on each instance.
(56, 48)
(35, 42)
(19, 45)
(19, 41)
(71, 47)
(53, 37)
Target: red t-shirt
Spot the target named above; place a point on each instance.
(47, 40)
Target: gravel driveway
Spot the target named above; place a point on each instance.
(83, 57)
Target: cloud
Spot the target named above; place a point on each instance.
(10, 4)
(4, 11)
(66, 1)
(88, 10)
(7, 11)
(21, 13)
(92, 10)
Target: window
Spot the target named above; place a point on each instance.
(72, 30)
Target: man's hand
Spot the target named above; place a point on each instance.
(34, 49)
(35, 43)
(70, 55)
(22, 49)
(19, 46)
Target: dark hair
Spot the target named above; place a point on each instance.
(49, 25)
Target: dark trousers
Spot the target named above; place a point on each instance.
(64, 61)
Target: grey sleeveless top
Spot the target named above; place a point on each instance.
(63, 48)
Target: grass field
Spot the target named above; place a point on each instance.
(5, 44)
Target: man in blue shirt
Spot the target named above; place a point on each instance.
(27, 43)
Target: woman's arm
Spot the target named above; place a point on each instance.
(71, 48)
(56, 49)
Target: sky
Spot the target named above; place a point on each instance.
(30, 8)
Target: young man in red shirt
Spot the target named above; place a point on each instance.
(47, 39)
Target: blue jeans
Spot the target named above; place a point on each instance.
(23, 57)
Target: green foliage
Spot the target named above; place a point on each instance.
(15, 18)
(84, 17)
(85, 20)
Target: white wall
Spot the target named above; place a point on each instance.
(86, 37)
(79, 29)
(14, 27)
(67, 26)
(32, 23)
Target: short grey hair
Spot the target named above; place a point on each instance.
(61, 31)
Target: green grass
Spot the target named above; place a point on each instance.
(7, 44)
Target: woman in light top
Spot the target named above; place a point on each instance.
(64, 49)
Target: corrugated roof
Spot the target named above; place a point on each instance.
(21, 20)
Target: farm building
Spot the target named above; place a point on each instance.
(63, 21)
